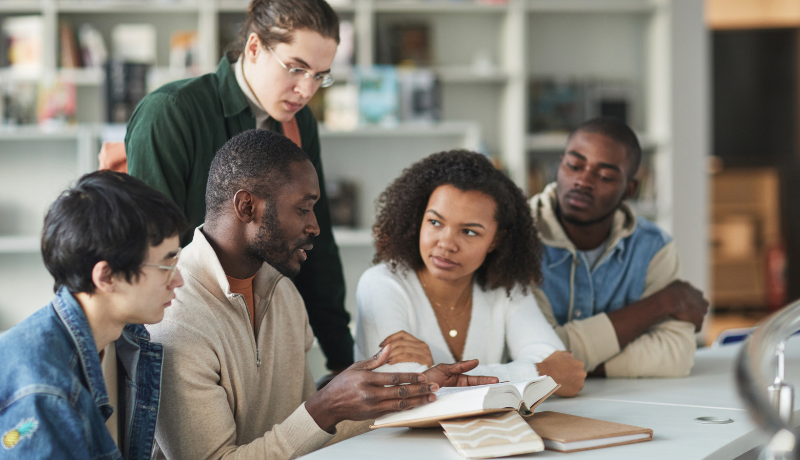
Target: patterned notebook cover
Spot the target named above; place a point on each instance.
(490, 436)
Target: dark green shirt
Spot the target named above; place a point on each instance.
(172, 137)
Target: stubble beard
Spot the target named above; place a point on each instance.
(588, 222)
(271, 245)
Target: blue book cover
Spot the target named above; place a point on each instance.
(377, 95)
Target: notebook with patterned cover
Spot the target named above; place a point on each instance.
(490, 436)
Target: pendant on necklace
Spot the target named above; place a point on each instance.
(453, 332)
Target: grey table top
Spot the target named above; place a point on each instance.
(667, 406)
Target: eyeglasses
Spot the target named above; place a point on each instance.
(171, 268)
(324, 80)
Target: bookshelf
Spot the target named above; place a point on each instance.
(485, 55)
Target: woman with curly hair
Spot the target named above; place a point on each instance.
(457, 256)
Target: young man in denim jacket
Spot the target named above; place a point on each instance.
(112, 244)
(610, 279)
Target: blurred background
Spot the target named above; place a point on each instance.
(710, 87)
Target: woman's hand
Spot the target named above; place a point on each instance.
(565, 370)
(407, 349)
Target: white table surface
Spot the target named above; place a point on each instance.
(667, 406)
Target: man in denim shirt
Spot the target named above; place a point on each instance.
(610, 279)
(111, 244)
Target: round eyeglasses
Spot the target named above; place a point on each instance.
(170, 269)
(323, 80)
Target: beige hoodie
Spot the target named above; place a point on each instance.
(665, 350)
(225, 392)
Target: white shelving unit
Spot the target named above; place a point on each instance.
(485, 55)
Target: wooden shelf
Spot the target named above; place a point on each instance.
(593, 6)
(443, 128)
(20, 6)
(241, 6)
(83, 76)
(126, 6)
(556, 142)
(36, 133)
(440, 6)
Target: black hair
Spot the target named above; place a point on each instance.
(401, 207)
(257, 160)
(274, 21)
(616, 130)
(107, 216)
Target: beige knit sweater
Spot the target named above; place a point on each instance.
(225, 392)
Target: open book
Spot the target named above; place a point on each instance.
(456, 402)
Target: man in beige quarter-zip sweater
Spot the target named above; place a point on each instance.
(236, 384)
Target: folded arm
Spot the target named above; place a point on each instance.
(653, 337)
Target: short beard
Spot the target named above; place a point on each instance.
(586, 223)
(271, 246)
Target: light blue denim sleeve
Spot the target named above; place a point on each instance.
(43, 426)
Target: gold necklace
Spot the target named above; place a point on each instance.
(453, 332)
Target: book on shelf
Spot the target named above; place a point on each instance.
(126, 85)
(92, 46)
(58, 103)
(23, 37)
(457, 402)
(571, 433)
(340, 111)
(556, 104)
(18, 103)
(343, 202)
(492, 436)
(561, 104)
(377, 95)
(420, 95)
(184, 52)
(134, 43)
(345, 52)
(70, 53)
(405, 44)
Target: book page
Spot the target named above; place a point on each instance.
(518, 384)
(538, 389)
(449, 400)
(521, 385)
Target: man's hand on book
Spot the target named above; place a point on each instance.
(452, 375)
(360, 394)
(407, 349)
(565, 370)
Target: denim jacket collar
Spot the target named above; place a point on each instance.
(74, 319)
(552, 233)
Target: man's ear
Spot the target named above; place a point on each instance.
(244, 205)
(252, 48)
(102, 277)
(631, 188)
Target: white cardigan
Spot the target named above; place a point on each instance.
(501, 329)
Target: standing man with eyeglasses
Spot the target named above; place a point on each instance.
(111, 244)
(282, 58)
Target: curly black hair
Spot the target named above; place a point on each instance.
(518, 256)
